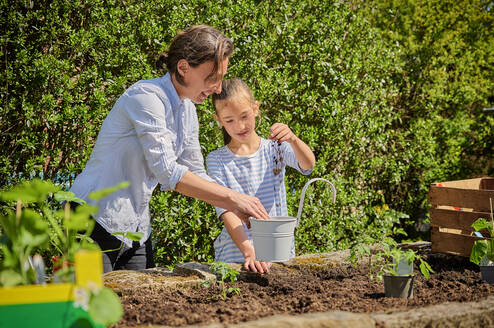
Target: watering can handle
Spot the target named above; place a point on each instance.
(302, 197)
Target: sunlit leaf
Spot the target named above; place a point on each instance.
(30, 191)
(100, 194)
(67, 196)
(135, 236)
(105, 307)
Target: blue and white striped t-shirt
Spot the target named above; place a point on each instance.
(253, 175)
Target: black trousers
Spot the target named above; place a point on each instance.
(136, 257)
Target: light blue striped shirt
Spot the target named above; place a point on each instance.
(253, 175)
(150, 136)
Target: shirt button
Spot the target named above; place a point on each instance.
(278, 205)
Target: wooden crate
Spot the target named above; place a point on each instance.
(455, 206)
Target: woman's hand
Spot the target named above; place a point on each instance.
(243, 205)
(246, 206)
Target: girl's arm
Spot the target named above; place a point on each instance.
(235, 228)
(212, 193)
(303, 153)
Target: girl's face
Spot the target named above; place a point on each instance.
(238, 117)
(199, 80)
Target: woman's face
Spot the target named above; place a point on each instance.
(199, 81)
(238, 117)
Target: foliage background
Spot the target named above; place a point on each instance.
(389, 95)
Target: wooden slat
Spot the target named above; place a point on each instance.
(487, 184)
(478, 200)
(451, 243)
(463, 184)
(455, 219)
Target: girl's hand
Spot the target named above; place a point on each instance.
(281, 132)
(251, 264)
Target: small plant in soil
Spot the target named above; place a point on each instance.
(483, 250)
(391, 257)
(389, 260)
(223, 274)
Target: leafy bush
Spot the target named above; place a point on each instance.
(388, 94)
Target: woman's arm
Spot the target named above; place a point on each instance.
(212, 193)
(236, 230)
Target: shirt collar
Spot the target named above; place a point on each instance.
(171, 92)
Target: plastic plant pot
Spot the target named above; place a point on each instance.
(487, 273)
(398, 286)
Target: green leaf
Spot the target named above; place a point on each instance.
(30, 191)
(425, 269)
(135, 236)
(33, 230)
(105, 307)
(10, 278)
(67, 196)
(479, 249)
(481, 224)
(100, 194)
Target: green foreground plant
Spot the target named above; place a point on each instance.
(223, 273)
(35, 224)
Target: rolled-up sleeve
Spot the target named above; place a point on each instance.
(147, 113)
(192, 155)
(214, 170)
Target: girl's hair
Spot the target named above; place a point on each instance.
(197, 44)
(232, 89)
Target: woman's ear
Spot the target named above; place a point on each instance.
(182, 67)
(217, 119)
(255, 108)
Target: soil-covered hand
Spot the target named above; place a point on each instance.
(281, 132)
(251, 264)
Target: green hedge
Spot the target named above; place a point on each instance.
(389, 95)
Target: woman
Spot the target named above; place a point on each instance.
(151, 136)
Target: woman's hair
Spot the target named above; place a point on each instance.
(232, 89)
(197, 44)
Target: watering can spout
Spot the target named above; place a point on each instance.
(302, 197)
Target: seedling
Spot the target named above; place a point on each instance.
(387, 260)
(483, 250)
(223, 273)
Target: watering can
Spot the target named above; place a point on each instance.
(273, 238)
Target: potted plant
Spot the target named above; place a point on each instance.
(394, 265)
(30, 224)
(483, 250)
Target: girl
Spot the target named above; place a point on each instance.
(151, 136)
(251, 165)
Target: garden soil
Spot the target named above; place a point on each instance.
(292, 291)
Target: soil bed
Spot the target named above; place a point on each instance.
(292, 291)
